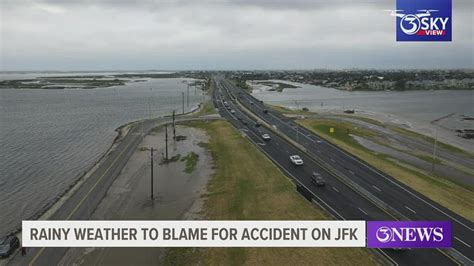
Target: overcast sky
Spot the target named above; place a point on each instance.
(245, 34)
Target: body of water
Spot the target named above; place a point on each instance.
(50, 137)
(414, 108)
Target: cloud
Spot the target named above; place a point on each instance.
(83, 35)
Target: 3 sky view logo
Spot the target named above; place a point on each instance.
(409, 234)
(423, 20)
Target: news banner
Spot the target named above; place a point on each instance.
(371, 234)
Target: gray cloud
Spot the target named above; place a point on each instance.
(80, 35)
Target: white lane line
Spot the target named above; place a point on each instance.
(363, 211)
(327, 205)
(457, 238)
(299, 182)
(410, 209)
(391, 181)
(335, 189)
(318, 151)
(332, 160)
(261, 144)
(376, 188)
(351, 172)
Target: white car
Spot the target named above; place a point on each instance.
(232, 111)
(296, 160)
(266, 137)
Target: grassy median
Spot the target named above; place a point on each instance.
(247, 186)
(456, 197)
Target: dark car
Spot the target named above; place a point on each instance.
(257, 124)
(317, 179)
(239, 117)
(245, 122)
(8, 245)
(265, 111)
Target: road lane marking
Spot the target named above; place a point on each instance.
(335, 189)
(386, 177)
(376, 188)
(261, 144)
(363, 211)
(85, 196)
(327, 205)
(351, 172)
(410, 209)
(457, 238)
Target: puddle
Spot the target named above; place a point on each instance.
(177, 195)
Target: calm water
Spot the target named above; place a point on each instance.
(49, 137)
(406, 107)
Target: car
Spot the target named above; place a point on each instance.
(251, 103)
(296, 160)
(245, 123)
(232, 111)
(257, 124)
(265, 111)
(239, 117)
(266, 137)
(8, 245)
(317, 179)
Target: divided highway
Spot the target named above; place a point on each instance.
(367, 194)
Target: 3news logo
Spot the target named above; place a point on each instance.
(423, 20)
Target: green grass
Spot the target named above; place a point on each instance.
(286, 110)
(191, 161)
(428, 139)
(246, 185)
(453, 196)
(207, 108)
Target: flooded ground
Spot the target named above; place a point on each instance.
(177, 195)
(432, 113)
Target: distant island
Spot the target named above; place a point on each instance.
(366, 80)
(276, 86)
(349, 80)
(86, 81)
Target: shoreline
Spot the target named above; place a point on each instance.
(432, 130)
(49, 208)
(176, 198)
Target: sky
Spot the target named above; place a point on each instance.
(69, 35)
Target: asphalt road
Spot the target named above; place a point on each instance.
(84, 200)
(342, 200)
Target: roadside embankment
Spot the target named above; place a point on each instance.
(246, 185)
(406, 165)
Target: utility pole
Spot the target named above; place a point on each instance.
(187, 97)
(182, 94)
(434, 150)
(151, 173)
(174, 126)
(166, 140)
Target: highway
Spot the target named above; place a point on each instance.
(354, 190)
